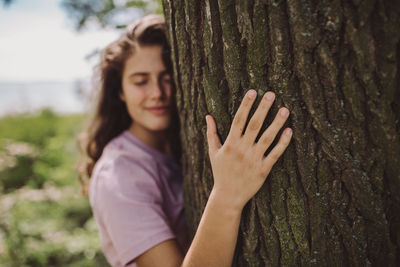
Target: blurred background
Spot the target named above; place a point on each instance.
(48, 49)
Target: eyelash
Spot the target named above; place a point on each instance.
(168, 80)
(140, 83)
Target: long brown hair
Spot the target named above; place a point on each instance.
(111, 117)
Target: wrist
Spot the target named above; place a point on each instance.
(227, 204)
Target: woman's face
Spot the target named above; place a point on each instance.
(146, 89)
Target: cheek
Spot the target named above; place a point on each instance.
(132, 92)
(133, 97)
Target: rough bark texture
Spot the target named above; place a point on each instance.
(333, 199)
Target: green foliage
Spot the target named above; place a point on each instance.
(28, 128)
(39, 234)
(108, 13)
(18, 175)
(6, 2)
(36, 149)
(44, 221)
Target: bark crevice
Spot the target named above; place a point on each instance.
(332, 200)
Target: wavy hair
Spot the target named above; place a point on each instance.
(110, 116)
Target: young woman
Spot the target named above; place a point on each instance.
(136, 185)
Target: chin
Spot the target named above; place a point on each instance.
(159, 127)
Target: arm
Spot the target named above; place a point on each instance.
(213, 245)
(215, 240)
(239, 168)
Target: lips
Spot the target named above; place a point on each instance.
(159, 110)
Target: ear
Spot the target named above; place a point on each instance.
(122, 96)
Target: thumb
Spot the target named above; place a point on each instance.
(212, 137)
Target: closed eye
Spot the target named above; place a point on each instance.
(166, 78)
(140, 83)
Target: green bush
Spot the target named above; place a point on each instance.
(43, 148)
(32, 129)
(44, 221)
(18, 175)
(39, 234)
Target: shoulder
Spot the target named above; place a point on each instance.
(127, 175)
(125, 172)
(122, 157)
(121, 150)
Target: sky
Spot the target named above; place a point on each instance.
(38, 43)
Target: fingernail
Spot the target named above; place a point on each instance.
(251, 94)
(288, 131)
(269, 95)
(284, 112)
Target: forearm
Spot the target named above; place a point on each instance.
(240, 168)
(215, 240)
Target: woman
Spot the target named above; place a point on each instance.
(136, 187)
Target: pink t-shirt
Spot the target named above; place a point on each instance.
(136, 196)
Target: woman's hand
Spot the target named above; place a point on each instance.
(239, 165)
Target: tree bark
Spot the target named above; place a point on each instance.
(333, 198)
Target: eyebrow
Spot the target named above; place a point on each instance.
(147, 74)
(139, 74)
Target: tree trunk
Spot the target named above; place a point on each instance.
(333, 198)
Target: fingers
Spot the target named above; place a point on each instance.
(277, 151)
(270, 133)
(239, 121)
(212, 137)
(254, 126)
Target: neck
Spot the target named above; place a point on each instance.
(158, 139)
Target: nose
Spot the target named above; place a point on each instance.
(156, 90)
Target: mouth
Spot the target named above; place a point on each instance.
(160, 110)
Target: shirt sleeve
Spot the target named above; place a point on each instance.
(129, 200)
